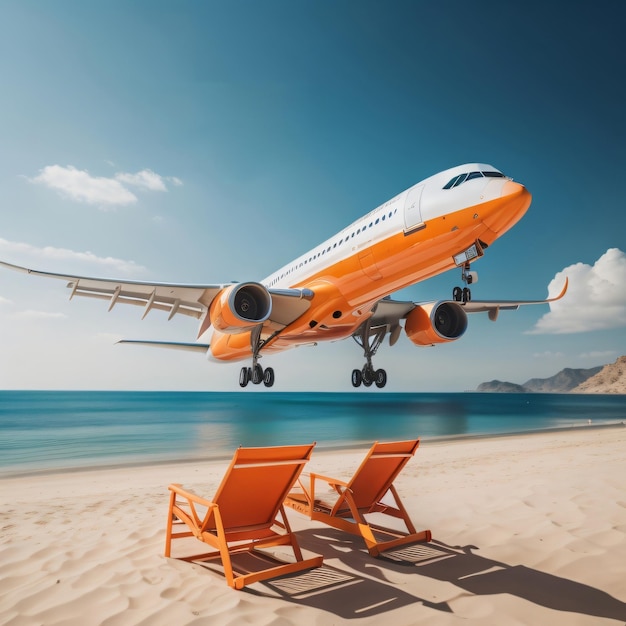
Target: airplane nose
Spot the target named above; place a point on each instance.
(507, 207)
(514, 202)
(512, 189)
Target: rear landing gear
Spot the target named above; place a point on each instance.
(368, 377)
(370, 342)
(256, 374)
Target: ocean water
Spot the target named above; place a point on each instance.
(71, 429)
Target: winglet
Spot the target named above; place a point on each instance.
(562, 292)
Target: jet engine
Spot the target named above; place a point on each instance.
(437, 322)
(240, 307)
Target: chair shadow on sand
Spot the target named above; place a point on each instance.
(350, 595)
(348, 592)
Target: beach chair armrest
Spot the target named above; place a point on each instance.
(338, 487)
(190, 496)
(333, 482)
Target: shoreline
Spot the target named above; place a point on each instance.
(17, 472)
(526, 529)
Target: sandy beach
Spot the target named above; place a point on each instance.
(527, 529)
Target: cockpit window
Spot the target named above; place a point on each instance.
(461, 178)
(456, 181)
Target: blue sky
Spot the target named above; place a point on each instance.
(215, 141)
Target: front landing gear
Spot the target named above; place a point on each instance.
(256, 374)
(370, 341)
(465, 295)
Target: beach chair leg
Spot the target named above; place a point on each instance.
(168, 528)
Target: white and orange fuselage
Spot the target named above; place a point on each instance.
(419, 233)
(342, 287)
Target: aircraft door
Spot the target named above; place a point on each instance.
(412, 210)
(368, 264)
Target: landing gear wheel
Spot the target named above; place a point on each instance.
(268, 377)
(257, 374)
(380, 378)
(368, 376)
(244, 376)
(370, 339)
(467, 294)
(457, 294)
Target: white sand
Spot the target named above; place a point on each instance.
(526, 530)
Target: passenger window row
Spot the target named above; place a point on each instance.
(338, 243)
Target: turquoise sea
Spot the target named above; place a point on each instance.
(42, 430)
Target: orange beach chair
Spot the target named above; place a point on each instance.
(370, 491)
(245, 516)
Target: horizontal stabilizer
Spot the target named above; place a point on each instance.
(172, 345)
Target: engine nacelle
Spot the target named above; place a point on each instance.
(240, 307)
(437, 322)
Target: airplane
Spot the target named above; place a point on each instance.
(342, 288)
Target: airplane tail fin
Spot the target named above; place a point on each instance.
(173, 345)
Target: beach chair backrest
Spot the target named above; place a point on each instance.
(379, 469)
(257, 482)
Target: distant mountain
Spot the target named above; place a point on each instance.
(567, 380)
(610, 379)
(498, 386)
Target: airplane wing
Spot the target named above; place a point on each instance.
(389, 312)
(493, 307)
(287, 304)
(173, 298)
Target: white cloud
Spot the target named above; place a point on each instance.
(81, 186)
(595, 299)
(11, 249)
(147, 179)
(5, 301)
